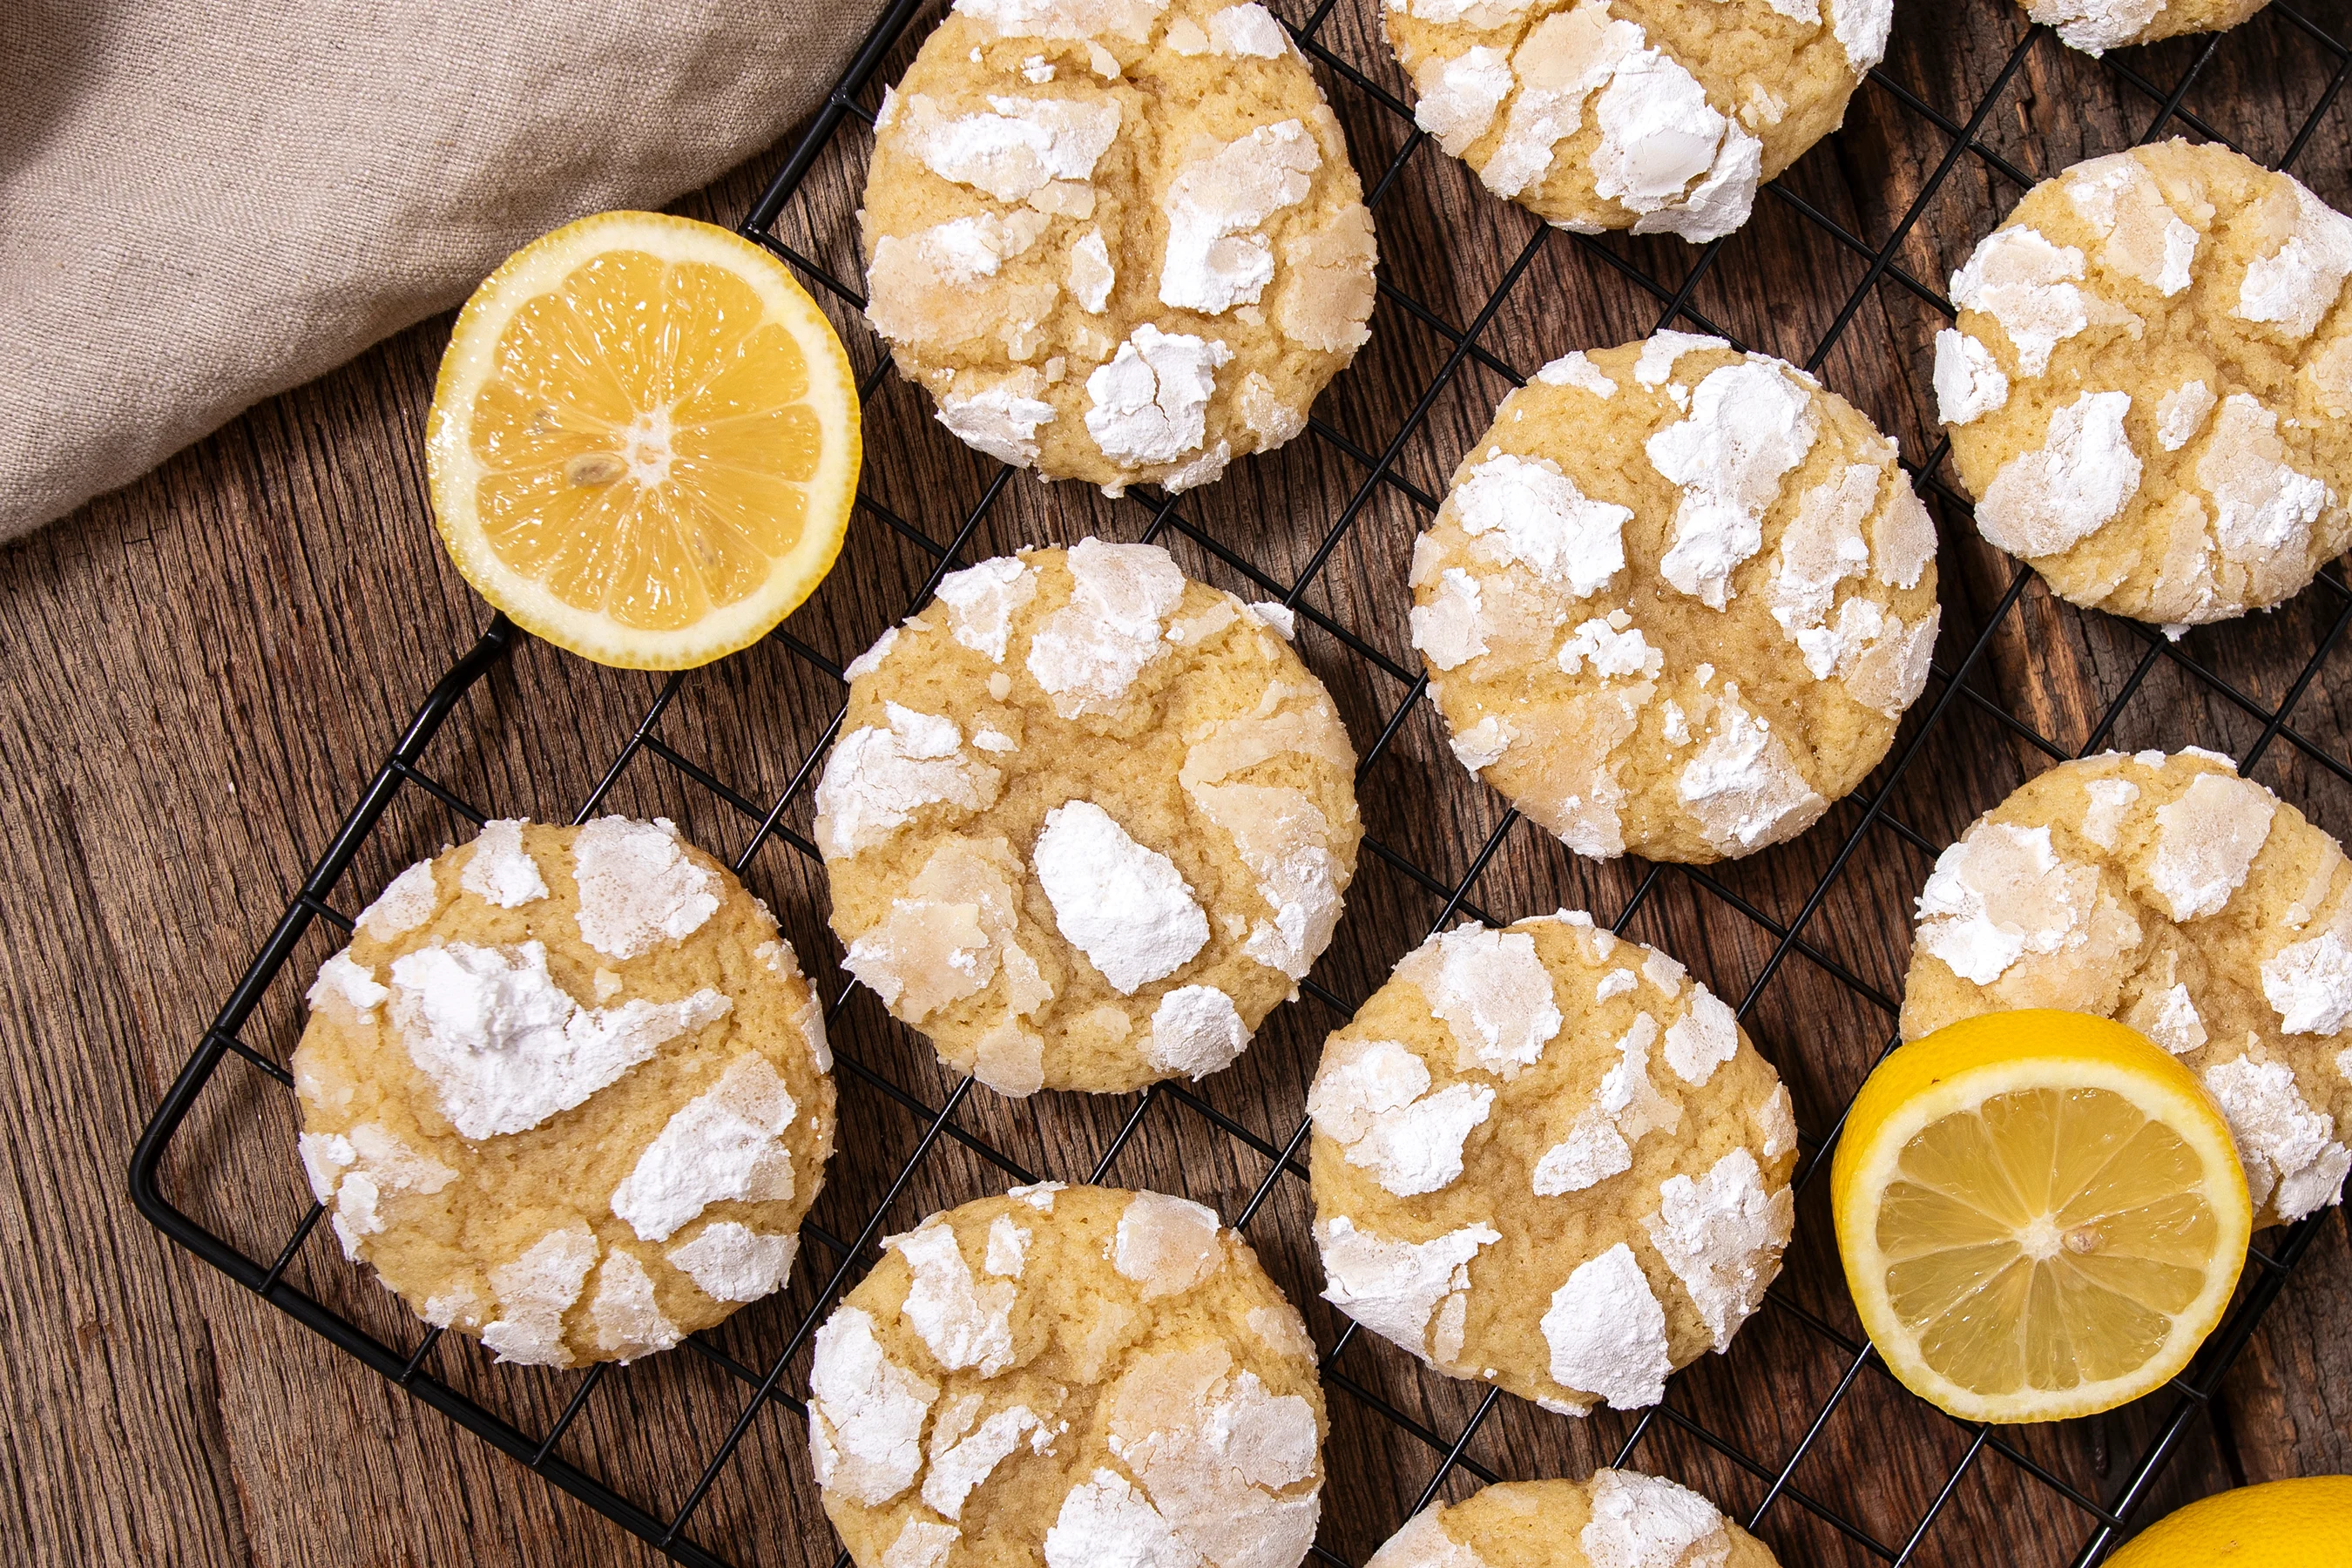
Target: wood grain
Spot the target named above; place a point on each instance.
(204, 666)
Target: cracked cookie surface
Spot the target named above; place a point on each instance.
(1658, 116)
(1083, 1375)
(1115, 240)
(567, 1092)
(1088, 820)
(1545, 1158)
(2149, 388)
(1676, 600)
(2165, 892)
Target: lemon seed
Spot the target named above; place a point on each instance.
(595, 469)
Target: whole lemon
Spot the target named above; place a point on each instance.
(2304, 1523)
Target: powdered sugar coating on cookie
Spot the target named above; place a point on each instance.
(883, 775)
(573, 1042)
(1601, 114)
(1613, 1519)
(1645, 1521)
(1115, 242)
(725, 1145)
(1549, 1138)
(2195, 906)
(1414, 1293)
(2146, 386)
(2095, 26)
(505, 1047)
(1088, 653)
(407, 902)
(1120, 840)
(732, 1262)
(501, 870)
(1101, 1354)
(1687, 639)
(638, 889)
(1608, 1333)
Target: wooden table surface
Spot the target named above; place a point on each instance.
(205, 668)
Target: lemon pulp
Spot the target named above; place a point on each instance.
(2040, 1215)
(645, 440)
(2046, 1238)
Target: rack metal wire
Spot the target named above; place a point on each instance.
(440, 1376)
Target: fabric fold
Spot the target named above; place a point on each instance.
(203, 204)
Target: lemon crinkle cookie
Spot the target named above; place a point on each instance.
(2095, 26)
(2195, 906)
(1116, 240)
(1640, 114)
(1091, 1375)
(1088, 821)
(567, 1092)
(1614, 1519)
(1546, 1158)
(2147, 389)
(1676, 600)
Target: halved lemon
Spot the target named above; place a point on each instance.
(644, 443)
(2040, 1215)
(2303, 1523)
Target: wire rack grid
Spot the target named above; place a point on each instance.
(1380, 481)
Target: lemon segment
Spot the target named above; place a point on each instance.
(2300, 1523)
(644, 443)
(2040, 1215)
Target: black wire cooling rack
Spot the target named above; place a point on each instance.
(453, 1378)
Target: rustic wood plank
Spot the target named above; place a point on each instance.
(206, 664)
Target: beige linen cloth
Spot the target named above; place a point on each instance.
(203, 203)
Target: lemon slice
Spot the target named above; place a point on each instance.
(2303, 1523)
(644, 443)
(2040, 1215)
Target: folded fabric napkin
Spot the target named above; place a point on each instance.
(203, 203)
